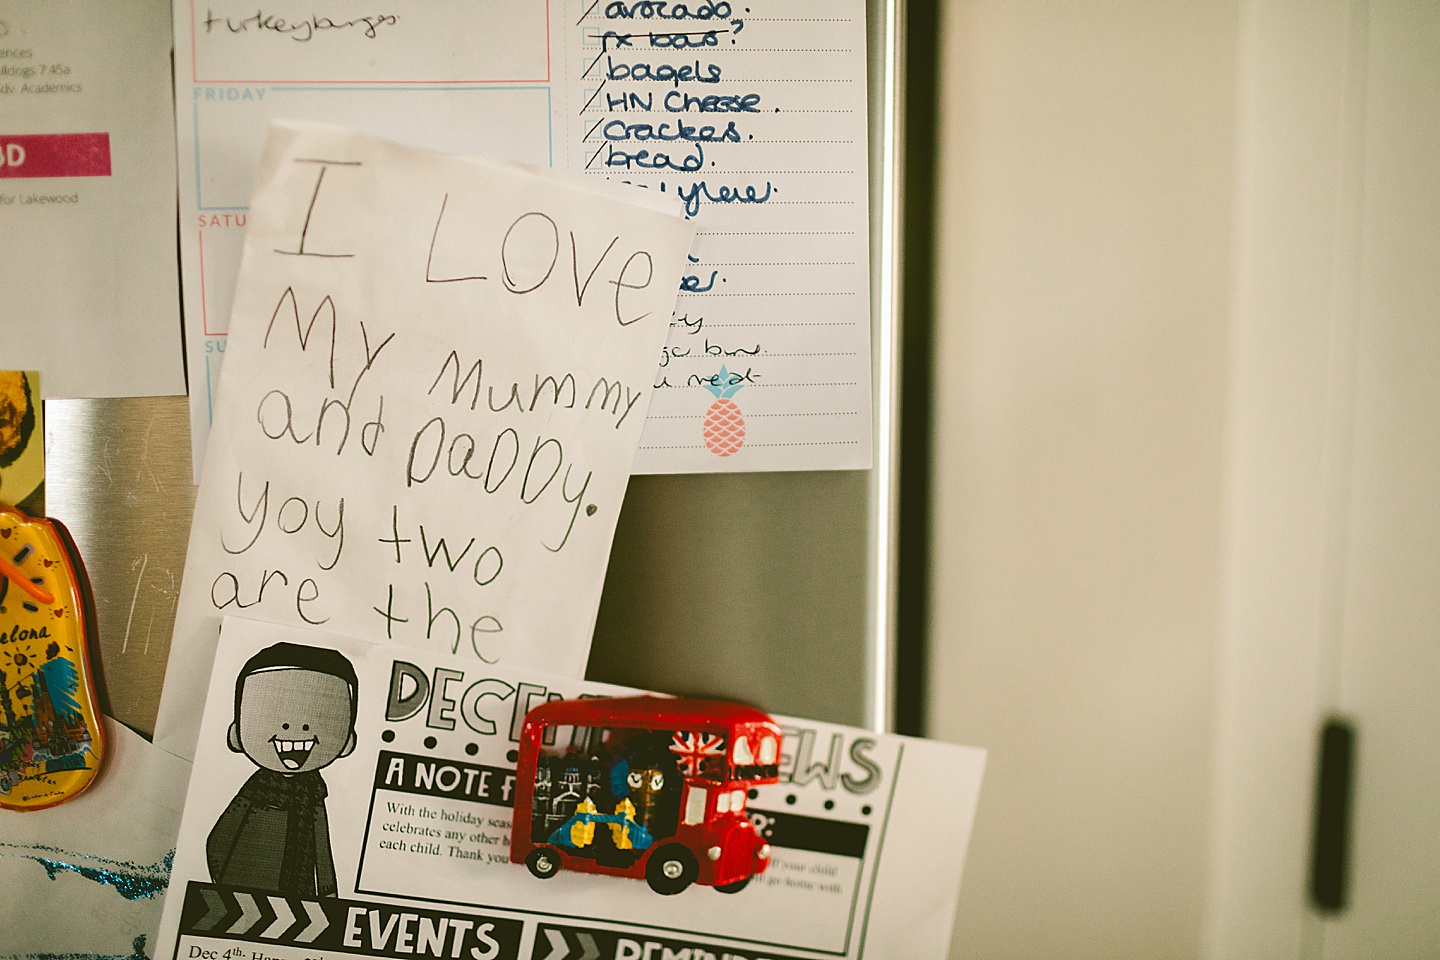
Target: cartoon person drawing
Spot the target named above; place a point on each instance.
(294, 715)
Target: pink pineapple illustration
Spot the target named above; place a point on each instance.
(724, 424)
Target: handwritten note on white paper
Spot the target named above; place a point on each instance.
(754, 115)
(438, 372)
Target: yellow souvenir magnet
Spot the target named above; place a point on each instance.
(52, 741)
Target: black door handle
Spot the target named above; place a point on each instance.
(1334, 797)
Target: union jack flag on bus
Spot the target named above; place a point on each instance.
(694, 752)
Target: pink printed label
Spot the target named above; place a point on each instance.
(55, 155)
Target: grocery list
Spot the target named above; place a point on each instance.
(753, 114)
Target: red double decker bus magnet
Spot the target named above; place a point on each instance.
(644, 787)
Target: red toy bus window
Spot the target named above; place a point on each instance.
(695, 805)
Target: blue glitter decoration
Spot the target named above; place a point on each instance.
(131, 886)
(133, 881)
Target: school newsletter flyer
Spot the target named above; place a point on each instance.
(356, 800)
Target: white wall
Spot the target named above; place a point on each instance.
(1291, 370)
(1083, 295)
(1386, 670)
(1187, 455)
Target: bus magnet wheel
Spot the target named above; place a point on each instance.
(671, 869)
(543, 862)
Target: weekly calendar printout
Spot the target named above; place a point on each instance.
(752, 113)
(356, 800)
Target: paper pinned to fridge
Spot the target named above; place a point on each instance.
(416, 784)
(437, 373)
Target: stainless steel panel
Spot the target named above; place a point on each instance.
(746, 586)
(774, 588)
(117, 474)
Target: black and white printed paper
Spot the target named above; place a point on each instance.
(868, 834)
